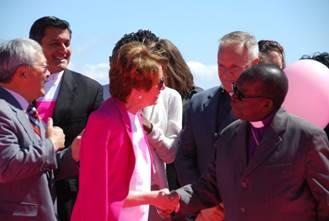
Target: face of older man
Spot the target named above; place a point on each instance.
(233, 59)
(56, 45)
(35, 77)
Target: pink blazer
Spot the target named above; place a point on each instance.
(106, 164)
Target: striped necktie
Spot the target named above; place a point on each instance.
(34, 119)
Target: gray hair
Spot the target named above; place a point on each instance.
(15, 53)
(239, 37)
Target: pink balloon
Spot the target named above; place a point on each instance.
(308, 94)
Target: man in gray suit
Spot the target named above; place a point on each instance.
(26, 158)
(268, 165)
(210, 111)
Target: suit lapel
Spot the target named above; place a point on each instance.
(66, 96)
(9, 98)
(21, 115)
(240, 144)
(24, 121)
(211, 107)
(271, 141)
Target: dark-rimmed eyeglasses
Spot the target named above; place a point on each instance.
(161, 83)
(240, 96)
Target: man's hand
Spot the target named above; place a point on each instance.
(75, 147)
(55, 134)
(167, 202)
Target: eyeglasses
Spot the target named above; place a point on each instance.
(240, 96)
(44, 67)
(161, 83)
(233, 71)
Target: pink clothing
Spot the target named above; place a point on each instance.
(46, 109)
(141, 177)
(106, 164)
(46, 104)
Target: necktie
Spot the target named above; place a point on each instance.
(34, 119)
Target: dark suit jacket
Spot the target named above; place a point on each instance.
(79, 95)
(25, 166)
(286, 179)
(208, 113)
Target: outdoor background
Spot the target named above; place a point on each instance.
(301, 26)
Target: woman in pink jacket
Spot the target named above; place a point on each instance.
(114, 155)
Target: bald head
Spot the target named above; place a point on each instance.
(273, 81)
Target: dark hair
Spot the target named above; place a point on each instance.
(320, 57)
(178, 74)
(133, 66)
(144, 36)
(38, 29)
(274, 81)
(267, 46)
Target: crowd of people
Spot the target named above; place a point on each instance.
(152, 145)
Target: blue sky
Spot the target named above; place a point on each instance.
(301, 26)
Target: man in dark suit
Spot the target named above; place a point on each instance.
(70, 97)
(26, 158)
(210, 111)
(269, 165)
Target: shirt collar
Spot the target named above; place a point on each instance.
(262, 123)
(54, 77)
(20, 99)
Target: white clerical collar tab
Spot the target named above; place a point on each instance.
(257, 124)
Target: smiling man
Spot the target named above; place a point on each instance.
(70, 97)
(210, 111)
(28, 150)
(269, 165)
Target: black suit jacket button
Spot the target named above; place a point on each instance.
(244, 184)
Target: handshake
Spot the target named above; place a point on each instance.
(166, 202)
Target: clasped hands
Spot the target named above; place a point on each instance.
(166, 202)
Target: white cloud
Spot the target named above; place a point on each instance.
(99, 72)
(205, 76)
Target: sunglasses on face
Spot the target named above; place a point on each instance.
(240, 96)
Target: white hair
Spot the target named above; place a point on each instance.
(248, 41)
(17, 52)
